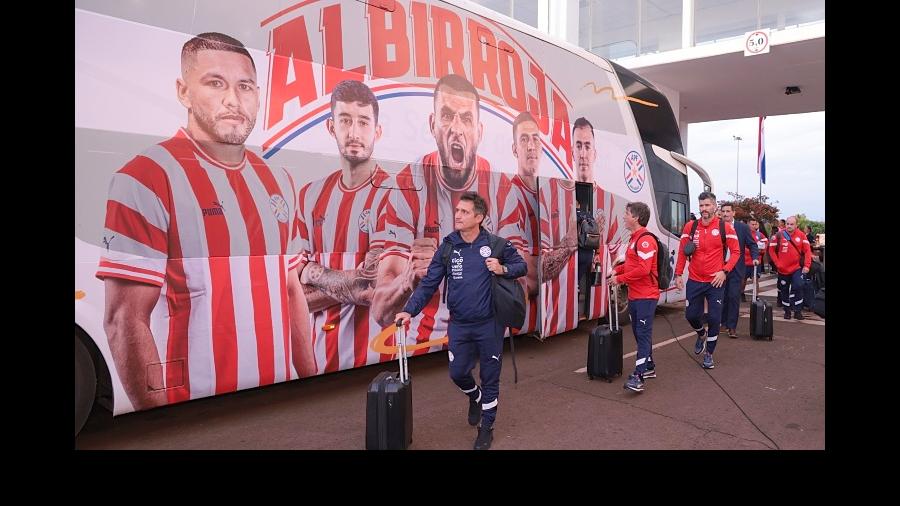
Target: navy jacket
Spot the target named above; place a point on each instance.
(745, 240)
(469, 298)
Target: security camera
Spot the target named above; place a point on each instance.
(790, 90)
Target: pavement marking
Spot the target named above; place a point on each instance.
(655, 346)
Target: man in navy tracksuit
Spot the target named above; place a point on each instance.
(473, 330)
(734, 282)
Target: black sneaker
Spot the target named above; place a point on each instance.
(475, 411)
(787, 315)
(798, 315)
(484, 439)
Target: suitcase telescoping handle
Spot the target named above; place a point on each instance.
(400, 339)
(614, 308)
(754, 283)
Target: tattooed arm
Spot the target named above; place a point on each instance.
(555, 259)
(341, 287)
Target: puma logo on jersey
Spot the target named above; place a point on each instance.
(458, 252)
(495, 357)
(643, 322)
(718, 301)
(217, 210)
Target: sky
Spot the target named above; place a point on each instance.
(795, 161)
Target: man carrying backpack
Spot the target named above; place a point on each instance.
(640, 273)
(702, 241)
(792, 255)
(473, 329)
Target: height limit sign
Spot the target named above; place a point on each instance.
(756, 42)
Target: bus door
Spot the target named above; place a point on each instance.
(559, 258)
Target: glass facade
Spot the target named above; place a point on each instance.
(626, 28)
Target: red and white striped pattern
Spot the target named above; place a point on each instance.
(559, 296)
(614, 240)
(529, 225)
(429, 212)
(337, 229)
(219, 241)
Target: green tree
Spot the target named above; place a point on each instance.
(757, 207)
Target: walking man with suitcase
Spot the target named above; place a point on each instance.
(473, 329)
(639, 273)
(701, 241)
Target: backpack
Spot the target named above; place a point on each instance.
(508, 296)
(663, 269)
(588, 232)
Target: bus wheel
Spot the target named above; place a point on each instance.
(85, 384)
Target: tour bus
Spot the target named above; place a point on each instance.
(259, 190)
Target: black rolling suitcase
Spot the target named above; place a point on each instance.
(761, 326)
(389, 421)
(604, 358)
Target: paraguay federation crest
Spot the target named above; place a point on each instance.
(635, 173)
(363, 221)
(279, 208)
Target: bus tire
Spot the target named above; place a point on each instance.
(85, 384)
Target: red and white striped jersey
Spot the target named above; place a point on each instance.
(559, 296)
(530, 232)
(429, 212)
(608, 211)
(219, 242)
(337, 229)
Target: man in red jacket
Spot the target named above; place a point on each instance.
(792, 255)
(639, 273)
(708, 270)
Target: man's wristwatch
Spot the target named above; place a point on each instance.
(505, 269)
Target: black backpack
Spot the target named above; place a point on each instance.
(509, 298)
(588, 232)
(663, 269)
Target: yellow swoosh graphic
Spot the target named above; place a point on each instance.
(610, 90)
(378, 342)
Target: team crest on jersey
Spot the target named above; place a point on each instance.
(645, 244)
(715, 232)
(635, 174)
(485, 251)
(797, 240)
(363, 221)
(279, 208)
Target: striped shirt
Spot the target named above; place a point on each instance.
(559, 296)
(429, 212)
(529, 225)
(337, 229)
(608, 211)
(219, 242)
